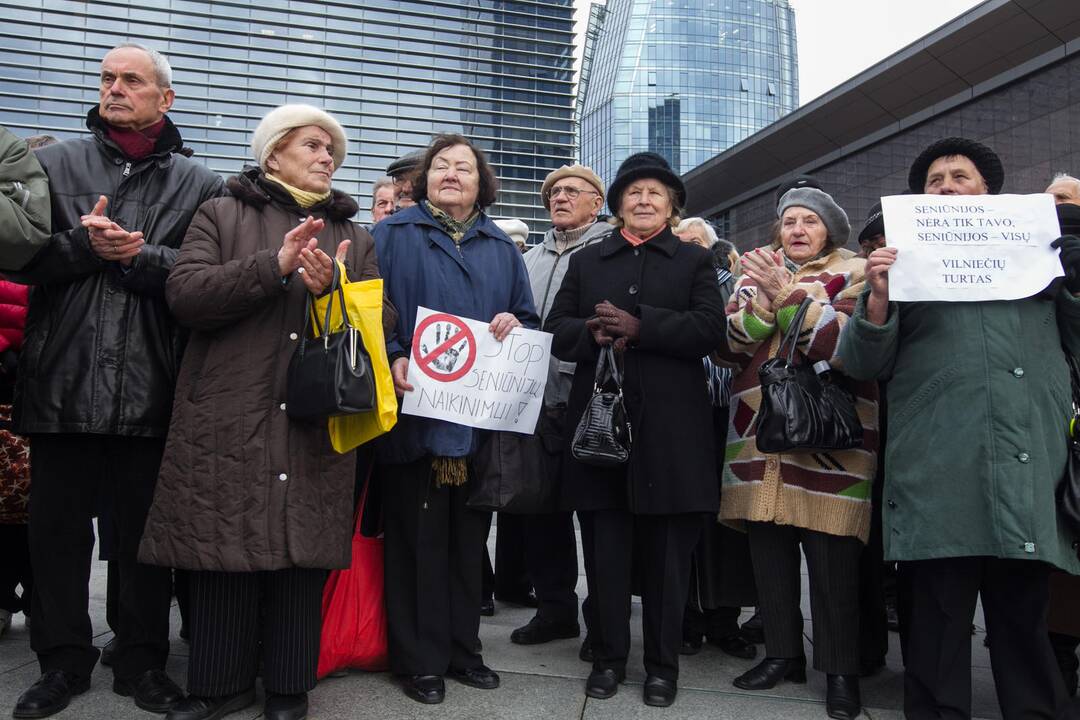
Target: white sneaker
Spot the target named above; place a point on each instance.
(5, 621)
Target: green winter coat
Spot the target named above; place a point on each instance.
(979, 405)
(25, 215)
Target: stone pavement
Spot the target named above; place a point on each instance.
(544, 682)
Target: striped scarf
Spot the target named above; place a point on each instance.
(456, 229)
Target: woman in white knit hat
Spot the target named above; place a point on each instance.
(257, 505)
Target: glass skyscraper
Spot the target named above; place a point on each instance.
(683, 78)
(393, 72)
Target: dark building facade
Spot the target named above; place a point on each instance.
(394, 72)
(1006, 74)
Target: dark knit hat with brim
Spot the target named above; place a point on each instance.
(986, 161)
(644, 165)
(1069, 218)
(875, 223)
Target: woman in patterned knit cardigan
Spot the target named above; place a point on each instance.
(818, 499)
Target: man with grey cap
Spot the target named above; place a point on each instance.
(402, 171)
(95, 385)
(573, 194)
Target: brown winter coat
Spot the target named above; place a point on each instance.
(242, 487)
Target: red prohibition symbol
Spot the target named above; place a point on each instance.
(441, 362)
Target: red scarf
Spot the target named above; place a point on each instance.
(635, 240)
(136, 144)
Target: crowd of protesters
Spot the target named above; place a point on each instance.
(149, 311)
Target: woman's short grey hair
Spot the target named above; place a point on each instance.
(696, 224)
(162, 69)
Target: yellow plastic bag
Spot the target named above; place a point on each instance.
(364, 305)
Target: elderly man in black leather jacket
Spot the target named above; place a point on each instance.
(96, 377)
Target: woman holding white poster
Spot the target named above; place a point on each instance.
(446, 254)
(979, 408)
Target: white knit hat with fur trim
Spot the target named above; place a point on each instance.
(278, 122)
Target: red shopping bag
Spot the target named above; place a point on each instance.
(354, 617)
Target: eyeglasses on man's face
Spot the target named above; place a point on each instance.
(572, 193)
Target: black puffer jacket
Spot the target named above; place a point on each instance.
(102, 351)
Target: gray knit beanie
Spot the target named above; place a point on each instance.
(834, 217)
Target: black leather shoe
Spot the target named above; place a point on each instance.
(754, 630)
(428, 689)
(603, 684)
(286, 707)
(487, 607)
(153, 690)
(585, 654)
(50, 694)
(108, 653)
(736, 646)
(842, 699)
(659, 692)
(770, 671)
(194, 707)
(481, 677)
(538, 631)
(691, 644)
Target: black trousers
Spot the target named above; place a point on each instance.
(551, 556)
(873, 620)
(833, 563)
(663, 544)
(233, 613)
(434, 546)
(508, 576)
(937, 677)
(68, 475)
(15, 568)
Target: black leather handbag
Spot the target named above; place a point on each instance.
(801, 407)
(603, 437)
(1069, 489)
(329, 374)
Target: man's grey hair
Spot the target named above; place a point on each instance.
(384, 181)
(1067, 178)
(696, 223)
(162, 69)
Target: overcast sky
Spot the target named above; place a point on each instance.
(838, 39)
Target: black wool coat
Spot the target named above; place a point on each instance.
(671, 286)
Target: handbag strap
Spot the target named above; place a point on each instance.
(607, 368)
(309, 312)
(791, 337)
(1074, 377)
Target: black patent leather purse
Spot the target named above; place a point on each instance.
(801, 407)
(329, 374)
(1068, 494)
(602, 437)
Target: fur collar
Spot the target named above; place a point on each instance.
(252, 188)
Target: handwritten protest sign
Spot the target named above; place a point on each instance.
(970, 247)
(461, 373)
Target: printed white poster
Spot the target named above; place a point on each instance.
(970, 247)
(461, 373)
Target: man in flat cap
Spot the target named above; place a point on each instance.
(573, 195)
(978, 414)
(402, 171)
